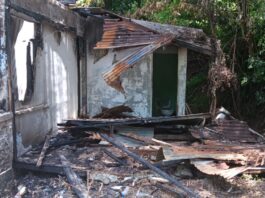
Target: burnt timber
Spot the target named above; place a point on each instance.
(93, 124)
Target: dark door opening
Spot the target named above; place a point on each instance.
(165, 78)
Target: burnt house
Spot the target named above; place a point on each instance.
(62, 64)
(58, 63)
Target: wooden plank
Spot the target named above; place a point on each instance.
(44, 150)
(182, 189)
(76, 183)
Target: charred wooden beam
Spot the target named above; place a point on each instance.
(188, 192)
(93, 125)
(51, 169)
(111, 155)
(76, 182)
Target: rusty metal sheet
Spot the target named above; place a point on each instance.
(119, 33)
(212, 167)
(112, 77)
(227, 130)
(241, 154)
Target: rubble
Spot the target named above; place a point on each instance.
(91, 156)
(103, 177)
(145, 166)
(114, 112)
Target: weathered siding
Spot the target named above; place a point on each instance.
(55, 89)
(137, 83)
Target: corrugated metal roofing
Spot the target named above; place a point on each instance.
(112, 77)
(124, 33)
(229, 130)
(121, 32)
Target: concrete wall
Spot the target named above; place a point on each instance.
(55, 94)
(5, 116)
(137, 83)
(51, 11)
(5, 142)
(3, 61)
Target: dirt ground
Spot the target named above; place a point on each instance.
(40, 185)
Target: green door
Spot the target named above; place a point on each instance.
(165, 73)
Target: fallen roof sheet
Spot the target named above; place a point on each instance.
(112, 77)
(211, 167)
(230, 130)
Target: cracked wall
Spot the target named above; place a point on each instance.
(137, 83)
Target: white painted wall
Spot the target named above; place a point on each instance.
(55, 86)
(137, 83)
(182, 78)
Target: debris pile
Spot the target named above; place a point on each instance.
(115, 112)
(125, 163)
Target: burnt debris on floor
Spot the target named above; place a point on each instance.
(122, 158)
(105, 96)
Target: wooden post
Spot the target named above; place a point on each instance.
(182, 76)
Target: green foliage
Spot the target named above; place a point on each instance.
(242, 34)
(241, 31)
(91, 3)
(196, 94)
(124, 6)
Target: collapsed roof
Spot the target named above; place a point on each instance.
(120, 32)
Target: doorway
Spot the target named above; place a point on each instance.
(165, 78)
